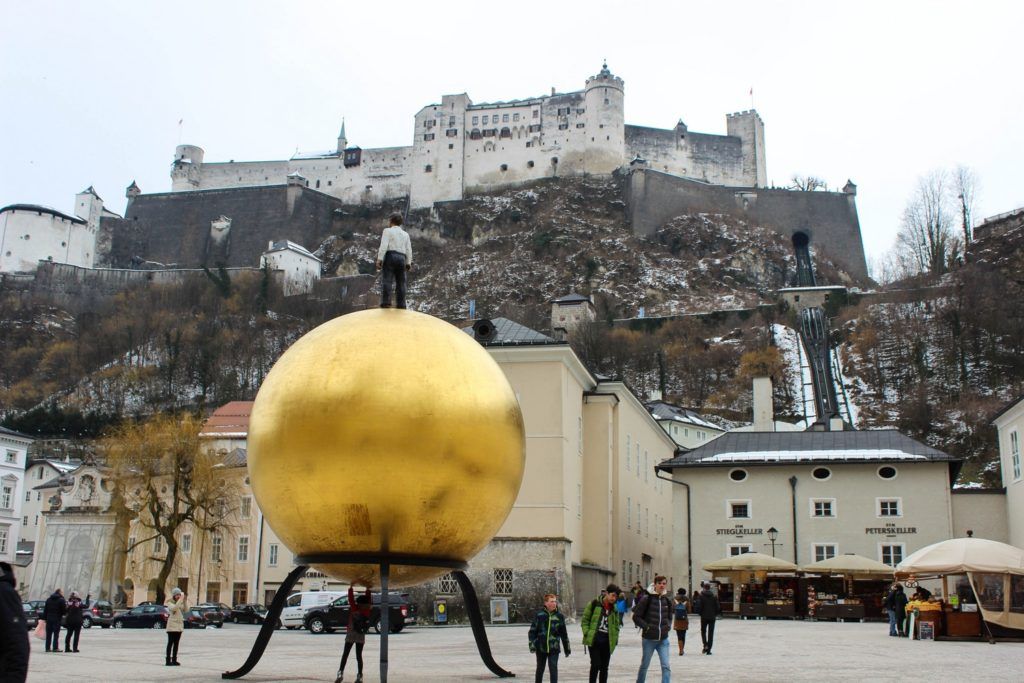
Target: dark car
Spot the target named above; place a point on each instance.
(30, 614)
(196, 619)
(225, 611)
(98, 612)
(143, 616)
(37, 607)
(248, 614)
(326, 618)
(212, 615)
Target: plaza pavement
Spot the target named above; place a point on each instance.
(744, 650)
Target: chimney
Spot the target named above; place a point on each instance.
(764, 416)
(835, 424)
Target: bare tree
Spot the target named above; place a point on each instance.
(166, 479)
(808, 183)
(965, 186)
(926, 229)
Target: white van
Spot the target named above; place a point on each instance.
(295, 608)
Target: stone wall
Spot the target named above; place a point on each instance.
(829, 219)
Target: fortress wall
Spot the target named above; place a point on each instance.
(241, 174)
(712, 158)
(384, 170)
(28, 236)
(829, 218)
(175, 227)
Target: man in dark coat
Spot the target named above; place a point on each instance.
(14, 646)
(53, 611)
(899, 606)
(709, 611)
(653, 616)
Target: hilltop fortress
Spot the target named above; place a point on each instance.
(228, 212)
(462, 148)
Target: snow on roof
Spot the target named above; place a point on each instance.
(288, 245)
(231, 419)
(666, 411)
(10, 432)
(316, 155)
(772, 447)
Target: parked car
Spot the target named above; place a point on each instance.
(37, 607)
(99, 612)
(295, 608)
(248, 614)
(335, 615)
(143, 616)
(212, 615)
(224, 610)
(30, 614)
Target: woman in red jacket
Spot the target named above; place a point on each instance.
(358, 625)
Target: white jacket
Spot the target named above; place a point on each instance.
(395, 239)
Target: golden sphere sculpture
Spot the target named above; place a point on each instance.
(386, 432)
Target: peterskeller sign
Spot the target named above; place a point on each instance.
(890, 529)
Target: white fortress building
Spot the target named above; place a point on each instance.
(462, 148)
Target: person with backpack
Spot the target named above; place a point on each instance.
(681, 619)
(359, 611)
(709, 609)
(653, 615)
(546, 632)
(601, 623)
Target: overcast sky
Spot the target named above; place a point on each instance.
(877, 92)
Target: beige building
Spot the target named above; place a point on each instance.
(808, 496)
(687, 428)
(1009, 423)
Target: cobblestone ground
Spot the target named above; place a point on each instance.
(744, 650)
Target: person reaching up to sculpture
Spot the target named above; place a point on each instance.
(355, 634)
(395, 258)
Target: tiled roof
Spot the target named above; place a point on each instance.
(236, 458)
(570, 298)
(884, 445)
(508, 332)
(230, 418)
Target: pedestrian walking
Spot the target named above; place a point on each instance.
(547, 635)
(653, 615)
(73, 623)
(601, 624)
(899, 605)
(709, 611)
(681, 618)
(177, 606)
(54, 610)
(355, 631)
(394, 257)
(14, 647)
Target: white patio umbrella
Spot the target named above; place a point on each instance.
(750, 562)
(850, 565)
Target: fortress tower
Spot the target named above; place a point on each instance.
(748, 126)
(187, 167)
(605, 144)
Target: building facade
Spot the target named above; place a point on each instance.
(688, 429)
(879, 494)
(13, 457)
(1010, 425)
(299, 269)
(460, 147)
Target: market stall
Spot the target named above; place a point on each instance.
(757, 584)
(856, 591)
(988, 582)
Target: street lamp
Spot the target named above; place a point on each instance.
(773, 534)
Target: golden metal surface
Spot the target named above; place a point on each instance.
(386, 431)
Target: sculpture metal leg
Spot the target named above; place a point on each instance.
(269, 624)
(477, 622)
(385, 621)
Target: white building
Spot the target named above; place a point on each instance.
(13, 455)
(1009, 423)
(299, 268)
(33, 528)
(687, 428)
(460, 148)
(30, 234)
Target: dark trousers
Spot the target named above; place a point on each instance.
(681, 637)
(901, 620)
(53, 634)
(344, 657)
(707, 633)
(173, 637)
(393, 275)
(551, 660)
(600, 657)
(71, 634)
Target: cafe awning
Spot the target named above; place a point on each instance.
(959, 555)
(850, 565)
(750, 562)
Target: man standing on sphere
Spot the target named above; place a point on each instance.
(395, 258)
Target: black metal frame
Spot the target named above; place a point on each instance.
(385, 561)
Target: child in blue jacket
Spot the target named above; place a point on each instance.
(547, 629)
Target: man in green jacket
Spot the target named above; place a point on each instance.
(601, 622)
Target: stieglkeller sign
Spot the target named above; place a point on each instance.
(739, 530)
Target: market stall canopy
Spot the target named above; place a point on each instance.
(850, 564)
(750, 562)
(959, 555)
